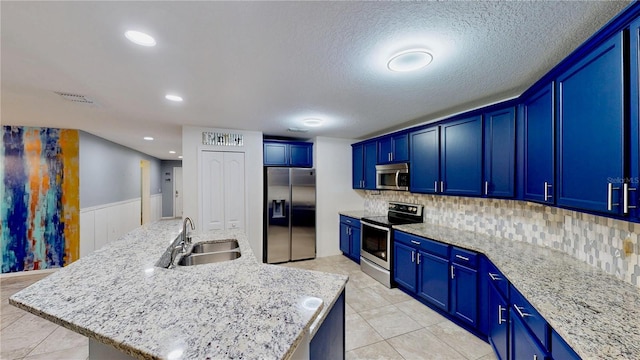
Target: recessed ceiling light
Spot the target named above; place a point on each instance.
(173, 97)
(410, 60)
(312, 122)
(140, 38)
(180, 157)
(148, 138)
(172, 152)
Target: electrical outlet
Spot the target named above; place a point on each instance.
(627, 246)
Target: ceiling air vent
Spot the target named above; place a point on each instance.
(75, 98)
(292, 129)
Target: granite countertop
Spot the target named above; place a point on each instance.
(234, 309)
(597, 314)
(359, 214)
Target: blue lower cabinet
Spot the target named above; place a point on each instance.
(498, 323)
(464, 290)
(345, 238)
(433, 279)
(355, 243)
(560, 350)
(404, 266)
(329, 341)
(350, 237)
(524, 344)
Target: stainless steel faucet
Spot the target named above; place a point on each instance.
(186, 239)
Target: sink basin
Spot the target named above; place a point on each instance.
(208, 247)
(208, 258)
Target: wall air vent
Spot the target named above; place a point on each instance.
(75, 98)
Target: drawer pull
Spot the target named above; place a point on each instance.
(462, 257)
(500, 318)
(415, 242)
(495, 277)
(519, 310)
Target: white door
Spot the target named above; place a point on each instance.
(212, 195)
(234, 190)
(177, 192)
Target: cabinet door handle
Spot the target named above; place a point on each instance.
(441, 186)
(415, 242)
(500, 318)
(610, 203)
(495, 277)
(418, 258)
(546, 191)
(486, 188)
(452, 273)
(535, 357)
(462, 257)
(435, 186)
(625, 199)
(413, 256)
(519, 310)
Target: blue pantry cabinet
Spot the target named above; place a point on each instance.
(393, 148)
(500, 153)
(290, 154)
(539, 161)
(364, 165)
(591, 125)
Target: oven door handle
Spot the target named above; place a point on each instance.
(364, 222)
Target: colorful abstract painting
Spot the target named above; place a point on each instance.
(40, 198)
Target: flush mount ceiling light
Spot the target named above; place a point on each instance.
(312, 122)
(180, 157)
(172, 152)
(140, 38)
(173, 97)
(409, 60)
(148, 138)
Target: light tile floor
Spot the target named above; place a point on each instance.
(381, 323)
(384, 323)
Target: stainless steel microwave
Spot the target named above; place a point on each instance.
(392, 177)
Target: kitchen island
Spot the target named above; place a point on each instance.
(119, 299)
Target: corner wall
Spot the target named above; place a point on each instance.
(595, 240)
(333, 191)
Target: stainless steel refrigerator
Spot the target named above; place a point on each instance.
(290, 214)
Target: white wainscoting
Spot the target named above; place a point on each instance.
(102, 224)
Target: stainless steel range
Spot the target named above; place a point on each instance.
(376, 255)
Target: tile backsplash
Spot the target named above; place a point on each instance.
(596, 240)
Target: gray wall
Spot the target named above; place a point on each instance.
(110, 172)
(166, 172)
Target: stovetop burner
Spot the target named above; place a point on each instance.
(398, 214)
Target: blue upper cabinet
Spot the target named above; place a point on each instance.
(425, 160)
(393, 148)
(291, 154)
(364, 165)
(461, 157)
(633, 186)
(590, 114)
(537, 111)
(500, 153)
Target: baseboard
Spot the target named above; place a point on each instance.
(28, 273)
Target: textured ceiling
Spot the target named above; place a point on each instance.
(265, 66)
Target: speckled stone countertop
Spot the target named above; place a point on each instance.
(359, 214)
(234, 309)
(597, 314)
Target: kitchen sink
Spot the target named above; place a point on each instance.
(208, 258)
(208, 247)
